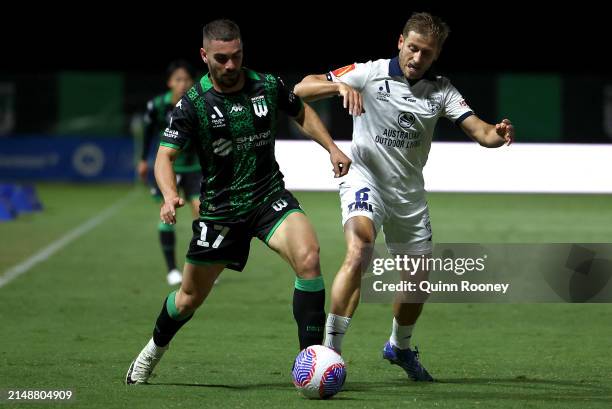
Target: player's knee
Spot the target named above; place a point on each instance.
(307, 263)
(189, 302)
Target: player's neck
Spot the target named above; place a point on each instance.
(228, 90)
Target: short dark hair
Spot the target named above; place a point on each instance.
(221, 30)
(427, 25)
(177, 64)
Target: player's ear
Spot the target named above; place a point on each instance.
(400, 42)
(204, 55)
(437, 55)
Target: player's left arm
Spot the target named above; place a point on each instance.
(310, 125)
(488, 135)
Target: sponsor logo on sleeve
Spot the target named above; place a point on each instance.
(341, 71)
(171, 133)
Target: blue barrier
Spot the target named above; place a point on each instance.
(7, 211)
(25, 200)
(17, 199)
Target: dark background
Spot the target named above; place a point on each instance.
(546, 66)
(300, 37)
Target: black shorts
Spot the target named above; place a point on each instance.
(188, 183)
(228, 241)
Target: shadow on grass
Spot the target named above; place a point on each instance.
(495, 389)
(449, 389)
(277, 386)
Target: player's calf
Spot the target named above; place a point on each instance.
(309, 310)
(169, 321)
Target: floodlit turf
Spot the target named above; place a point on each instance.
(76, 320)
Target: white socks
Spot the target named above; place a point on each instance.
(400, 335)
(335, 328)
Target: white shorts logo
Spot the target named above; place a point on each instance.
(279, 205)
(361, 201)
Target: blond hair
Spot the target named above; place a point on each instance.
(427, 25)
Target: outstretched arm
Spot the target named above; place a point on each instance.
(488, 135)
(314, 87)
(310, 125)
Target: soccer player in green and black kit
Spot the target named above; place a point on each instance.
(230, 115)
(181, 77)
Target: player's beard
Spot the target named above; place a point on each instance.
(229, 80)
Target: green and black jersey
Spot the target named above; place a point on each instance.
(156, 120)
(234, 134)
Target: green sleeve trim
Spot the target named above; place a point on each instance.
(311, 285)
(252, 74)
(278, 223)
(172, 310)
(208, 263)
(170, 145)
(187, 168)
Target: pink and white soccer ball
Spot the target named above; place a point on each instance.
(319, 372)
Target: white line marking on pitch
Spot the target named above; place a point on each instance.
(23, 267)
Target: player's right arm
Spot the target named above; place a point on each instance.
(181, 129)
(166, 181)
(346, 82)
(150, 128)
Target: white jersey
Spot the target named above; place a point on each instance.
(391, 140)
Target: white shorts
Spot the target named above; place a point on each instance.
(406, 226)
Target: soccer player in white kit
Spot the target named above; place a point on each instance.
(395, 105)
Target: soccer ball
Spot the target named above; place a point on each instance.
(318, 372)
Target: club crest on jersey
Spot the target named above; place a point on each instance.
(343, 70)
(406, 120)
(434, 104)
(259, 106)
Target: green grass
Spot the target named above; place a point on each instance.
(76, 320)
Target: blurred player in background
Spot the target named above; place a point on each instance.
(395, 103)
(181, 76)
(231, 116)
